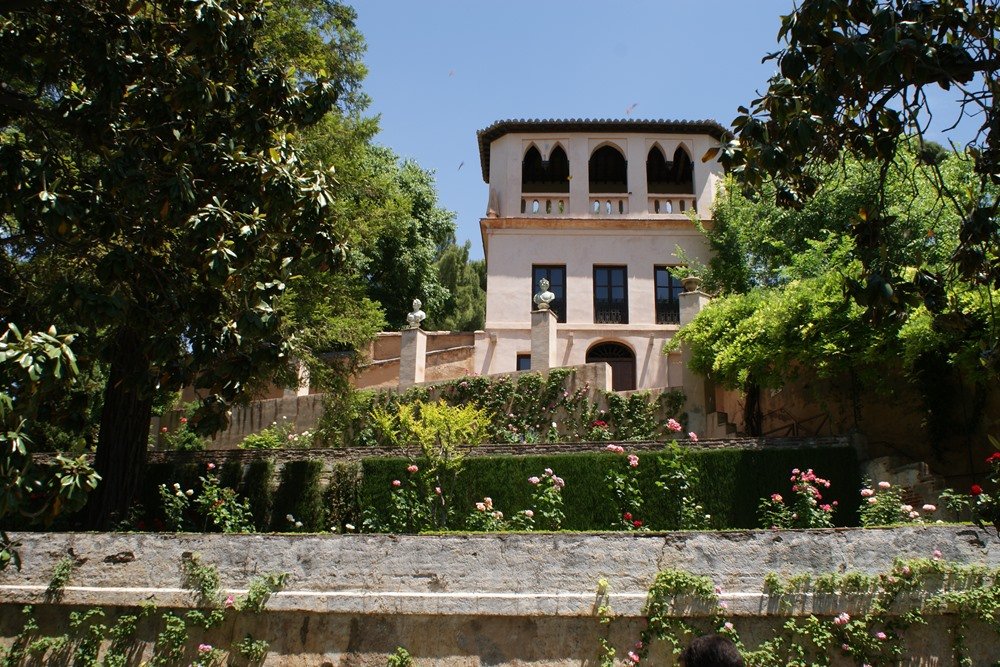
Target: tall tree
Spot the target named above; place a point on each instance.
(150, 190)
(857, 75)
(465, 307)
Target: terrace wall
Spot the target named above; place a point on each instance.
(506, 599)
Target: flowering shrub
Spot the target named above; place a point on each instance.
(526, 408)
(623, 483)
(678, 483)
(882, 505)
(279, 435)
(411, 508)
(599, 431)
(979, 504)
(485, 517)
(183, 439)
(804, 509)
(215, 507)
(547, 501)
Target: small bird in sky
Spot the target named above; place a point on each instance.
(451, 72)
(460, 165)
(630, 108)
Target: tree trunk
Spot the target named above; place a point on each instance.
(753, 420)
(124, 434)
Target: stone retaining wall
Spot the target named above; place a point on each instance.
(507, 599)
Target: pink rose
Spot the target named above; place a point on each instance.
(396, 483)
(633, 461)
(184, 420)
(204, 648)
(673, 424)
(880, 636)
(211, 466)
(776, 497)
(533, 480)
(867, 493)
(884, 485)
(633, 656)
(412, 468)
(692, 436)
(230, 602)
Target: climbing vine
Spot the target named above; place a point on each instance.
(891, 603)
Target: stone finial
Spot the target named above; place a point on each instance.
(417, 316)
(691, 283)
(544, 297)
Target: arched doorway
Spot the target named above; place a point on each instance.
(622, 362)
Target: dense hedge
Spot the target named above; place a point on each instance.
(731, 483)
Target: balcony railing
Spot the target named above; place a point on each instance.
(610, 311)
(608, 205)
(672, 204)
(668, 312)
(544, 204)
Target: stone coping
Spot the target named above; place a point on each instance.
(507, 574)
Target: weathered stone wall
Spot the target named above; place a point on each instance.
(508, 599)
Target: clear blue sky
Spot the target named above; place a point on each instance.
(441, 69)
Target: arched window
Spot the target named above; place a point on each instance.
(551, 176)
(682, 172)
(622, 362)
(675, 176)
(657, 174)
(608, 171)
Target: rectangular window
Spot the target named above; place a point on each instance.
(556, 275)
(524, 362)
(610, 295)
(668, 288)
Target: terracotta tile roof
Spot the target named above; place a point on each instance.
(490, 134)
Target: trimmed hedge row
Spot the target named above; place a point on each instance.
(731, 484)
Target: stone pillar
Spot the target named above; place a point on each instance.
(543, 340)
(412, 357)
(695, 390)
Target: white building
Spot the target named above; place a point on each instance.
(599, 208)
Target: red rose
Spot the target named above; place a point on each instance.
(976, 489)
(627, 516)
(637, 523)
(993, 458)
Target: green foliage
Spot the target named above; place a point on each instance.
(299, 496)
(60, 577)
(215, 506)
(256, 488)
(252, 650)
(281, 435)
(805, 507)
(183, 439)
(164, 215)
(727, 483)
(465, 307)
(858, 78)
(203, 580)
(400, 658)
(341, 496)
(260, 590)
(526, 408)
(33, 366)
(678, 483)
(783, 273)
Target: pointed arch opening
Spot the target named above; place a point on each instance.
(548, 176)
(657, 174)
(621, 358)
(608, 171)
